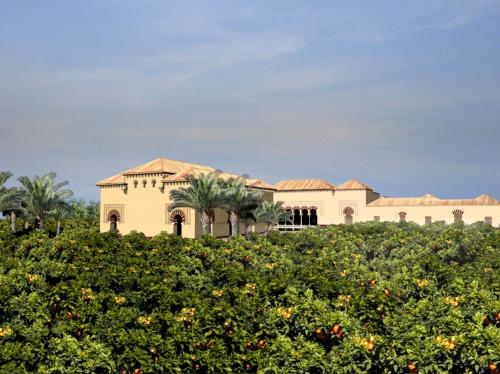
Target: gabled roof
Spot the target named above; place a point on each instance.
(163, 165)
(429, 199)
(259, 183)
(353, 184)
(486, 200)
(181, 176)
(303, 184)
(114, 180)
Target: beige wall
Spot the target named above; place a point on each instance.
(331, 205)
(417, 214)
(145, 209)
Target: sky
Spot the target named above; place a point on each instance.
(402, 95)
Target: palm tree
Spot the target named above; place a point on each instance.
(10, 200)
(238, 199)
(42, 196)
(271, 213)
(203, 194)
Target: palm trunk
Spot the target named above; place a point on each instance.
(206, 223)
(269, 228)
(40, 224)
(58, 227)
(13, 222)
(235, 224)
(245, 228)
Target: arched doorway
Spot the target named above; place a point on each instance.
(177, 218)
(305, 216)
(313, 217)
(178, 225)
(113, 219)
(348, 212)
(296, 216)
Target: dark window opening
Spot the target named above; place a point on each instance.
(313, 218)
(305, 217)
(296, 217)
(113, 222)
(178, 225)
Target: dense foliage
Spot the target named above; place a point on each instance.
(371, 297)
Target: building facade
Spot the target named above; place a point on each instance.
(138, 199)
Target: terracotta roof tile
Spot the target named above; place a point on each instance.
(427, 200)
(303, 184)
(353, 184)
(162, 165)
(259, 183)
(114, 180)
(181, 176)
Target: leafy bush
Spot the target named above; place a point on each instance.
(374, 297)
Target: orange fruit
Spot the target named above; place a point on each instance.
(335, 330)
(492, 368)
(412, 368)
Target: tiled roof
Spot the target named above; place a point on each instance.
(353, 184)
(181, 176)
(114, 180)
(162, 165)
(303, 184)
(428, 199)
(259, 183)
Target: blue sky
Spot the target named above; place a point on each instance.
(403, 95)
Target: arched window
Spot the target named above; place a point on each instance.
(178, 225)
(296, 216)
(457, 213)
(153, 183)
(305, 217)
(113, 219)
(348, 212)
(177, 217)
(313, 218)
(402, 216)
(289, 221)
(135, 184)
(144, 183)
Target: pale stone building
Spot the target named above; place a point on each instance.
(138, 199)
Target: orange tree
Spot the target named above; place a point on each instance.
(362, 298)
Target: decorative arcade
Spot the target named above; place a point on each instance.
(301, 218)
